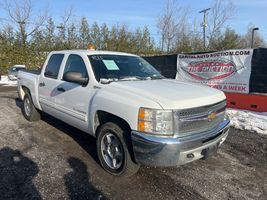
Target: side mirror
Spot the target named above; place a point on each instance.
(75, 77)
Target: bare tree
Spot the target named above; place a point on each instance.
(63, 36)
(66, 17)
(221, 12)
(167, 25)
(184, 32)
(21, 13)
(172, 25)
(246, 39)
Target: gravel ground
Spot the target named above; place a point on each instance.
(51, 160)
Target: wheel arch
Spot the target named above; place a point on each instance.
(102, 117)
(23, 90)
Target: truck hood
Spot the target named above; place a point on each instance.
(171, 94)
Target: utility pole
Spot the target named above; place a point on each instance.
(252, 36)
(204, 25)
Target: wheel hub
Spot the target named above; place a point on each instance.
(27, 107)
(111, 150)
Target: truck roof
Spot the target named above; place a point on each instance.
(93, 52)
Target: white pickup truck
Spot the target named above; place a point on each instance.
(137, 115)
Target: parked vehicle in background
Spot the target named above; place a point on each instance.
(13, 71)
(137, 115)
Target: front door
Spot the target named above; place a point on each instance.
(73, 100)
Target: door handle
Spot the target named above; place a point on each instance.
(42, 84)
(60, 89)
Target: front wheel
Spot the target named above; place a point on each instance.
(28, 109)
(114, 150)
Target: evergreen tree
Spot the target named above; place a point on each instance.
(95, 35)
(104, 36)
(84, 33)
(113, 38)
(72, 37)
(49, 35)
(61, 37)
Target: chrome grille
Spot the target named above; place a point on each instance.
(197, 120)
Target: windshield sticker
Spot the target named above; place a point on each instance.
(97, 58)
(111, 65)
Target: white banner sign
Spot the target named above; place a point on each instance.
(225, 70)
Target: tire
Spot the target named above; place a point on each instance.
(28, 109)
(113, 142)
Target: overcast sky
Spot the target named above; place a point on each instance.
(137, 13)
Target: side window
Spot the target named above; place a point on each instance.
(53, 66)
(75, 63)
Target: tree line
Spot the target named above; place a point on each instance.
(27, 38)
(33, 51)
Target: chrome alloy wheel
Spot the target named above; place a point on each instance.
(112, 151)
(27, 107)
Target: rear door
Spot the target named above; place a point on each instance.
(48, 82)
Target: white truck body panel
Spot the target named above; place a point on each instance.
(195, 113)
(30, 81)
(172, 94)
(79, 104)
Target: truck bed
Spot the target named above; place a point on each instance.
(29, 79)
(35, 71)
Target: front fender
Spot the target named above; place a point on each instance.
(122, 104)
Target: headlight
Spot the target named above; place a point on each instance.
(158, 122)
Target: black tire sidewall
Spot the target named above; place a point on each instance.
(27, 96)
(117, 132)
(34, 113)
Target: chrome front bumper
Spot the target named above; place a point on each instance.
(167, 151)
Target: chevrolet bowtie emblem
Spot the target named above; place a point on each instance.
(212, 116)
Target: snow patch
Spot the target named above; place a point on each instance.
(5, 82)
(248, 120)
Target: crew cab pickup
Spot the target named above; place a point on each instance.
(137, 115)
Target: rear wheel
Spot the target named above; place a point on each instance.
(114, 150)
(28, 109)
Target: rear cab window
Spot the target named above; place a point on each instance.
(53, 66)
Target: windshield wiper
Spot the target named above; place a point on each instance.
(154, 77)
(107, 80)
(124, 78)
(131, 78)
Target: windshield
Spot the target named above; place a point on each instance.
(118, 67)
